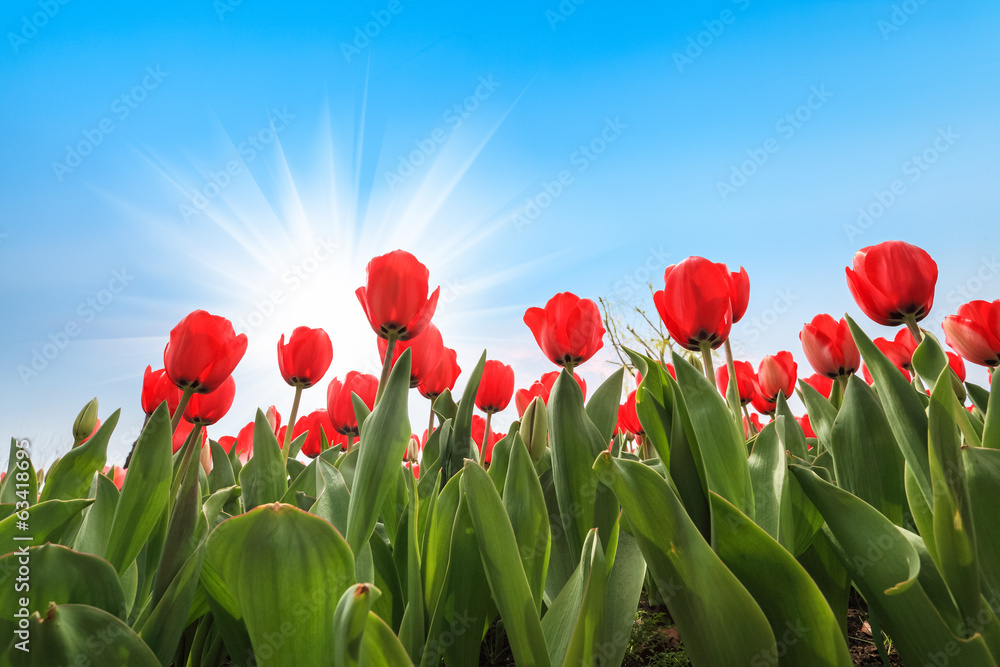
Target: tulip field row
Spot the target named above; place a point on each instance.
(349, 536)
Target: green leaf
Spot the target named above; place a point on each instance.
(821, 562)
(467, 608)
(70, 476)
(95, 531)
(719, 438)
(572, 625)
(525, 505)
(501, 460)
(384, 438)
(929, 359)
(461, 431)
(76, 634)
(991, 430)
(702, 594)
(222, 475)
(412, 628)
(624, 587)
(821, 412)
(43, 522)
(982, 478)
(264, 478)
(60, 575)
(903, 409)
(21, 482)
(794, 605)
(307, 566)
(867, 460)
(885, 568)
(145, 493)
(379, 646)
(793, 439)
(574, 442)
(508, 582)
(954, 536)
(602, 408)
(334, 498)
(767, 472)
(163, 627)
(687, 469)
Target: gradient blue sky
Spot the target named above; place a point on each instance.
(335, 118)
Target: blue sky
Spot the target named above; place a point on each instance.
(249, 158)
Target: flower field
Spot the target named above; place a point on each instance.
(349, 536)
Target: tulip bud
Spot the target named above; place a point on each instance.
(85, 423)
(534, 429)
(413, 450)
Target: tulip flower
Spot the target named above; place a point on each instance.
(568, 330)
(806, 426)
(496, 388)
(116, 474)
(202, 352)
(543, 388)
(182, 434)
(206, 409)
(86, 423)
(480, 429)
(975, 332)
(820, 383)
(957, 365)
(303, 362)
(628, 417)
(762, 405)
(744, 380)
(829, 347)
(426, 351)
(318, 424)
(776, 373)
(534, 429)
(340, 406)
(696, 305)
(395, 301)
(244, 439)
(906, 346)
(443, 377)
(156, 388)
(893, 283)
(739, 293)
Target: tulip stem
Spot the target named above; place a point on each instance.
(291, 423)
(706, 353)
(430, 426)
(750, 426)
(911, 324)
(181, 406)
(733, 384)
(350, 442)
(386, 367)
(486, 437)
(843, 380)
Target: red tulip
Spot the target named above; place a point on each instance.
(244, 439)
(205, 409)
(776, 373)
(957, 365)
(306, 357)
(755, 420)
(762, 405)
(116, 474)
(478, 430)
(893, 282)
(425, 353)
(907, 345)
(339, 404)
(523, 397)
(549, 380)
(568, 329)
(975, 332)
(181, 435)
(394, 297)
(744, 380)
(496, 387)
(316, 423)
(156, 388)
(739, 293)
(829, 346)
(441, 378)
(820, 383)
(806, 426)
(202, 352)
(628, 418)
(696, 303)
